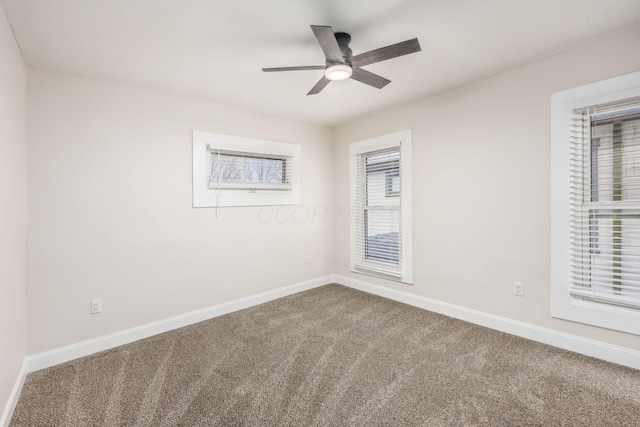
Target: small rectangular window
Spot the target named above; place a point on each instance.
(232, 170)
(252, 171)
(393, 184)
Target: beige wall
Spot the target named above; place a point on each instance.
(110, 211)
(12, 209)
(481, 185)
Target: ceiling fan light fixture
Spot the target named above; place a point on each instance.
(338, 72)
(340, 64)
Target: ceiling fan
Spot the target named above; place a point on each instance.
(341, 64)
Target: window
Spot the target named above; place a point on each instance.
(392, 179)
(596, 204)
(381, 241)
(605, 201)
(251, 171)
(236, 171)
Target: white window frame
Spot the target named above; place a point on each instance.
(563, 304)
(242, 194)
(400, 139)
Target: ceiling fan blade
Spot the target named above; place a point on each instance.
(303, 68)
(322, 83)
(387, 52)
(369, 78)
(328, 43)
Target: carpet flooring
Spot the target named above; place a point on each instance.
(332, 356)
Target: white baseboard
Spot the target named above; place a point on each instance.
(597, 349)
(13, 397)
(85, 348)
(600, 350)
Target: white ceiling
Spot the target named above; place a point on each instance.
(216, 48)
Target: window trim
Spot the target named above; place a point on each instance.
(403, 140)
(563, 304)
(242, 194)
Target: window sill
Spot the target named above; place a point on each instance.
(251, 187)
(594, 313)
(387, 276)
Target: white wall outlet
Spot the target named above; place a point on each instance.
(96, 306)
(518, 289)
(308, 259)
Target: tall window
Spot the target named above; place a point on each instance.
(595, 204)
(605, 198)
(381, 227)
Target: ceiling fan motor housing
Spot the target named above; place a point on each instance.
(343, 40)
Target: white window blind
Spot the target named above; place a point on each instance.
(605, 203)
(378, 205)
(252, 171)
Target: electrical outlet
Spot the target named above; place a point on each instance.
(518, 289)
(96, 306)
(309, 259)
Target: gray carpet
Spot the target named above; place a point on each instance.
(337, 357)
